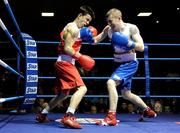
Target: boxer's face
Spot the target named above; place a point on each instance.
(112, 21)
(85, 20)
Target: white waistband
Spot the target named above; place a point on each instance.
(126, 57)
(67, 58)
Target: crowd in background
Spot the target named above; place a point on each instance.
(95, 87)
(100, 105)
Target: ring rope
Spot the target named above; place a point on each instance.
(31, 68)
(106, 96)
(137, 78)
(146, 59)
(10, 37)
(161, 59)
(10, 99)
(12, 17)
(104, 43)
(3, 64)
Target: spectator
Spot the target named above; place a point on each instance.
(158, 107)
(93, 109)
(123, 108)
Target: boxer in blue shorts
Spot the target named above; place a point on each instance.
(126, 40)
(125, 73)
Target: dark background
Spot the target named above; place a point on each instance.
(28, 16)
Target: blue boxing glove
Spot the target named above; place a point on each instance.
(87, 34)
(121, 40)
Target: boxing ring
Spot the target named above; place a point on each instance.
(28, 54)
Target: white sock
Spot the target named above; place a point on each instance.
(44, 111)
(146, 109)
(71, 110)
(112, 111)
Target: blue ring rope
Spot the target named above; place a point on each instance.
(13, 17)
(31, 63)
(161, 59)
(10, 98)
(145, 59)
(103, 43)
(136, 78)
(2, 63)
(10, 37)
(106, 96)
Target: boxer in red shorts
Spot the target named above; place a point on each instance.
(67, 75)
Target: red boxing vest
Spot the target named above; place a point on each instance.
(76, 46)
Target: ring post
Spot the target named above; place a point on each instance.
(147, 73)
(31, 76)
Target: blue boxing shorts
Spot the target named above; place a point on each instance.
(124, 73)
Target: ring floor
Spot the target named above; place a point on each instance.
(163, 123)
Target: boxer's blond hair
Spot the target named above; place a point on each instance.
(114, 12)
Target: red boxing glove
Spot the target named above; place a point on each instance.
(93, 30)
(85, 61)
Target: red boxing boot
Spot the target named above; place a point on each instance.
(110, 120)
(149, 113)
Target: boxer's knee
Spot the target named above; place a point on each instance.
(111, 84)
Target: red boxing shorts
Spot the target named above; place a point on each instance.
(67, 77)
